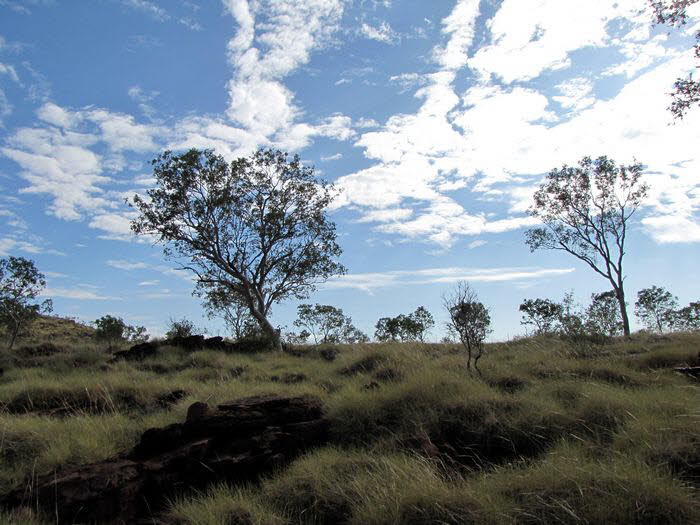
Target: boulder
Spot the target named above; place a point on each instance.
(233, 442)
(137, 352)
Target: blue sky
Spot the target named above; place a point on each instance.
(435, 119)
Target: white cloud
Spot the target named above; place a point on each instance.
(151, 9)
(59, 159)
(165, 270)
(673, 228)
(79, 294)
(144, 99)
(459, 25)
(575, 94)
(336, 156)
(506, 138)
(371, 281)
(531, 37)
(476, 244)
(381, 33)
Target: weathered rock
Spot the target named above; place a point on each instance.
(171, 398)
(236, 441)
(692, 371)
(189, 343)
(138, 352)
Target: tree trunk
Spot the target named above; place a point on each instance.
(13, 337)
(620, 294)
(270, 331)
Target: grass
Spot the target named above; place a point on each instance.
(548, 433)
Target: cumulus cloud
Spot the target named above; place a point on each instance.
(500, 139)
(60, 159)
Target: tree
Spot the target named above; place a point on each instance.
(181, 328)
(20, 284)
(219, 302)
(325, 323)
(603, 314)
(114, 330)
(256, 227)
(688, 317)
(543, 314)
(411, 327)
(419, 324)
(656, 308)
(585, 212)
(470, 319)
(686, 90)
(387, 329)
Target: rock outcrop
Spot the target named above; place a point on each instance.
(191, 343)
(235, 441)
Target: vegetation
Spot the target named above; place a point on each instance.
(254, 230)
(114, 331)
(20, 284)
(181, 328)
(327, 324)
(686, 92)
(411, 327)
(585, 211)
(469, 319)
(655, 308)
(546, 434)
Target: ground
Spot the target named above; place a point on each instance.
(550, 432)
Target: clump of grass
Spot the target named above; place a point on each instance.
(569, 487)
(35, 445)
(21, 516)
(222, 504)
(366, 487)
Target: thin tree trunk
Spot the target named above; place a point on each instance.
(15, 331)
(620, 294)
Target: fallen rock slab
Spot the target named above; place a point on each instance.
(234, 442)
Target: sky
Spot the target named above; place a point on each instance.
(435, 119)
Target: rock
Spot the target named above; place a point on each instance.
(235, 442)
(137, 352)
(171, 398)
(329, 354)
(293, 377)
(189, 343)
(196, 411)
(692, 371)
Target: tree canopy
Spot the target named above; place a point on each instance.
(585, 211)
(20, 284)
(255, 228)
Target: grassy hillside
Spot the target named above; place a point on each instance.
(550, 433)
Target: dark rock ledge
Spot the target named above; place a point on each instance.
(235, 441)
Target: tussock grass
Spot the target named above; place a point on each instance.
(549, 433)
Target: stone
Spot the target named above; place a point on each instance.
(235, 442)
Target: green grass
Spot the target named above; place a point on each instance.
(548, 434)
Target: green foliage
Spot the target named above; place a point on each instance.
(585, 211)
(542, 314)
(539, 437)
(327, 324)
(20, 284)
(113, 330)
(181, 328)
(603, 314)
(655, 308)
(255, 228)
(404, 328)
(688, 317)
(686, 92)
(469, 319)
